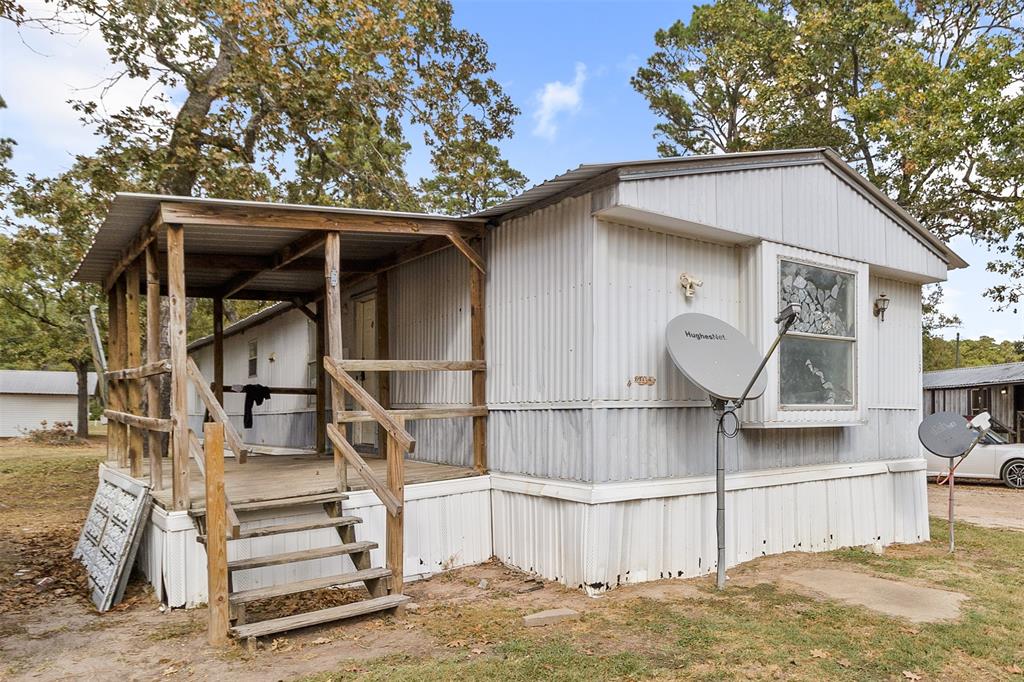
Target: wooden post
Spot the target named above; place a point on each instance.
(321, 381)
(218, 349)
(133, 353)
(332, 305)
(118, 433)
(476, 317)
(179, 356)
(111, 361)
(216, 535)
(383, 352)
(395, 529)
(155, 442)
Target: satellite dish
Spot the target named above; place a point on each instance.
(714, 355)
(946, 434)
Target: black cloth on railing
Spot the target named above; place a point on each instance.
(254, 393)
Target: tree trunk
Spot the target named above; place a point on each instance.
(82, 376)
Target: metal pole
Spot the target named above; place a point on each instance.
(952, 474)
(728, 408)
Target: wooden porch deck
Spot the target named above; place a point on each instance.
(278, 476)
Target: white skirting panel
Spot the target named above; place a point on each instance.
(447, 525)
(615, 534)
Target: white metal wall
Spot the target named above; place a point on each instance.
(598, 546)
(19, 411)
(806, 206)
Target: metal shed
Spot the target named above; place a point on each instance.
(28, 397)
(997, 389)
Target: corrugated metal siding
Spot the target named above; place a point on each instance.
(641, 540)
(539, 306)
(25, 412)
(429, 320)
(544, 443)
(637, 292)
(893, 361)
(808, 206)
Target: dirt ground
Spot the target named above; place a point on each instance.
(986, 503)
(467, 624)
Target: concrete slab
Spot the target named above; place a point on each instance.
(904, 600)
(549, 617)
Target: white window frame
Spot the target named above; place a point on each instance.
(855, 340)
(252, 358)
(761, 285)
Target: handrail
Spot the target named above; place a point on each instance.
(447, 412)
(195, 449)
(392, 503)
(134, 420)
(411, 365)
(361, 396)
(147, 370)
(216, 410)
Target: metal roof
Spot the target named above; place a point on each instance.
(41, 382)
(717, 163)
(246, 322)
(986, 375)
(129, 212)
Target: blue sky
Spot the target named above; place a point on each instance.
(565, 64)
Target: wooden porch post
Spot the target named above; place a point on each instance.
(156, 470)
(332, 304)
(476, 317)
(395, 528)
(117, 433)
(383, 353)
(179, 356)
(216, 535)
(321, 381)
(133, 354)
(218, 349)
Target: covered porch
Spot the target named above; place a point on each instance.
(161, 249)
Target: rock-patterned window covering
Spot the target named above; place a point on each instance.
(816, 357)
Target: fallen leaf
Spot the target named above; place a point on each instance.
(456, 643)
(1015, 669)
(911, 676)
(322, 640)
(843, 663)
(478, 651)
(818, 653)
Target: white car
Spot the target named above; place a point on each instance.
(993, 458)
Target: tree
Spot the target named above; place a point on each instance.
(922, 97)
(472, 180)
(940, 353)
(42, 312)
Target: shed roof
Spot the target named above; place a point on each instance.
(986, 375)
(711, 163)
(42, 382)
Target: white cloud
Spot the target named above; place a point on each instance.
(557, 97)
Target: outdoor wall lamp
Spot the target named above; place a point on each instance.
(689, 283)
(881, 303)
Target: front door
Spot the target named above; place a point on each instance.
(365, 433)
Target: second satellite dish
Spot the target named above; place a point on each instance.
(946, 434)
(714, 355)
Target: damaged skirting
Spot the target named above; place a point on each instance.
(598, 536)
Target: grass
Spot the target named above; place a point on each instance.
(754, 631)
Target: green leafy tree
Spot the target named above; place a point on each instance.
(923, 97)
(472, 180)
(940, 353)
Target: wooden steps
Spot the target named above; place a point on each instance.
(302, 555)
(199, 509)
(245, 596)
(282, 528)
(301, 620)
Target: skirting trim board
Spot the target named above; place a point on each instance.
(590, 536)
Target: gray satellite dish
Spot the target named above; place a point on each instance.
(946, 434)
(714, 355)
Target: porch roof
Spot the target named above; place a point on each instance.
(262, 250)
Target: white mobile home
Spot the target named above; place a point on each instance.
(570, 446)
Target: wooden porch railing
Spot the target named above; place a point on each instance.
(123, 408)
(399, 441)
(216, 410)
(197, 452)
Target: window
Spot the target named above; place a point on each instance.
(816, 357)
(979, 400)
(252, 358)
